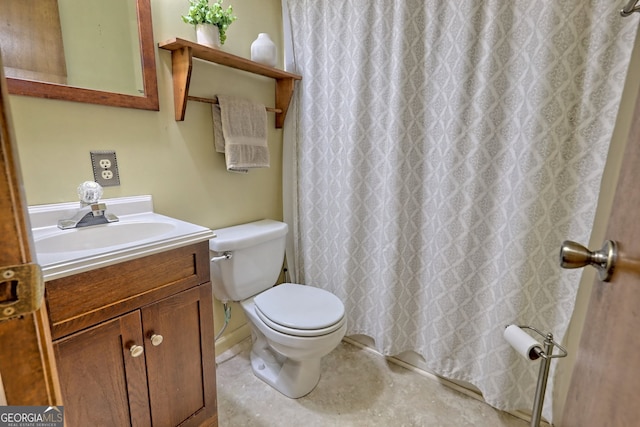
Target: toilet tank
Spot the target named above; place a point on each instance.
(257, 252)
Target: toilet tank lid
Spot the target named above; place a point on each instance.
(245, 235)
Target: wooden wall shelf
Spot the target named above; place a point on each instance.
(182, 52)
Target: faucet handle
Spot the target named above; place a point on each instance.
(89, 192)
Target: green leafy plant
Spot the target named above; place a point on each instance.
(201, 12)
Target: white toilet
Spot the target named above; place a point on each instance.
(292, 326)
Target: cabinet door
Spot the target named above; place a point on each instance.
(181, 369)
(102, 383)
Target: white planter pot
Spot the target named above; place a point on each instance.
(263, 50)
(208, 35)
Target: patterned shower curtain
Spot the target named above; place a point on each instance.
(442, 151)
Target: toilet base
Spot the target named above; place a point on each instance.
(293, 378)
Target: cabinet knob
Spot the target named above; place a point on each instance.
(156, 339)
(136, 350)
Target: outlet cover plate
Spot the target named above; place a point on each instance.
(105, 168)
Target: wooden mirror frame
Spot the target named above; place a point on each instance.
(149, 101)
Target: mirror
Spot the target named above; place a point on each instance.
(74, 84)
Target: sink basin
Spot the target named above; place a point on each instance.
(101, 236)
(140, 232)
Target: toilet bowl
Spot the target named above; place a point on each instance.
(292, 326)
(284, 356)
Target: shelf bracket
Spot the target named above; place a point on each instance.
(284, 93)
(181, 65)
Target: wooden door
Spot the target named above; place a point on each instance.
(605, 384)
(102, 383)
(181, 369)
(27, 366)
(31, 40)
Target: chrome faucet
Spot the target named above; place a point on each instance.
(91, 212)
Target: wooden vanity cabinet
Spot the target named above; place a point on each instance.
(150, 359)
(101, 385)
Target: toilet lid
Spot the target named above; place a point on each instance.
(299, 307)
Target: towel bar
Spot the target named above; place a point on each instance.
(215, 101)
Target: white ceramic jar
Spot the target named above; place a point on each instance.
(263, 50)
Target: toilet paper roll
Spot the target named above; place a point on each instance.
(522, 342)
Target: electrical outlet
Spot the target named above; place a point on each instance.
(105, 168)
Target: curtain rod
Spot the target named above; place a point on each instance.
(215, 101)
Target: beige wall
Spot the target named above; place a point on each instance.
(173, 161)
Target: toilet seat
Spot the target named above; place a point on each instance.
(300, 310)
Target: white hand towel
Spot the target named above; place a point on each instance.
(218, 136)
(244, 132)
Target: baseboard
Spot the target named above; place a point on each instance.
(232, 338)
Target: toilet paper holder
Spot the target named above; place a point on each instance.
(548, 339)
(546, 354)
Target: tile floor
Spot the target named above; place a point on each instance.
(357, 388)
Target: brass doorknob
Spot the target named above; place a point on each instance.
(574, 255)
(136, 350)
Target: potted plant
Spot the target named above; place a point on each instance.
(211, 21)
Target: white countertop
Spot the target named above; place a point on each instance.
(71, 260)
